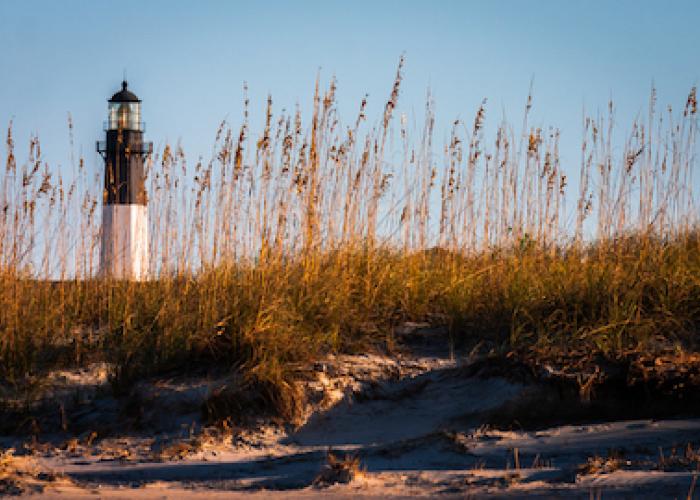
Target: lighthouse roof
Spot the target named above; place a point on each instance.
(124, 95)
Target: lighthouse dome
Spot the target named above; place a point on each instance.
(124, 95)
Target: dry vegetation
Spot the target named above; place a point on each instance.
(338, 470)
(21, 475)
(316, 237)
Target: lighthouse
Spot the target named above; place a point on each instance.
(124, 250)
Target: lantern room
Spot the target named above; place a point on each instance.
(124, 111)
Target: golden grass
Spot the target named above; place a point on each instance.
(318, 237)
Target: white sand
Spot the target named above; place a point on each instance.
(410, 419)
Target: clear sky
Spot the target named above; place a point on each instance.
(188, 61)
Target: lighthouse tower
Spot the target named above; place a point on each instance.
(124, 252)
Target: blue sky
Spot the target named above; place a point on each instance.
(188, 61)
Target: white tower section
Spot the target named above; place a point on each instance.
(124, 253)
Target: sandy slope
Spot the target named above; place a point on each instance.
(413, 421)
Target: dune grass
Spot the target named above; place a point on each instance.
(318, 237)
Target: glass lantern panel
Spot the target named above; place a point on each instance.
(125, 115)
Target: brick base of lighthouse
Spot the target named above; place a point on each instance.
(124, 252)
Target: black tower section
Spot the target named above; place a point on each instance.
(124, 151)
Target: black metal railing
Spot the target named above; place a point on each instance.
(144, 148)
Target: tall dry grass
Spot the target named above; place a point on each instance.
(317, 236)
